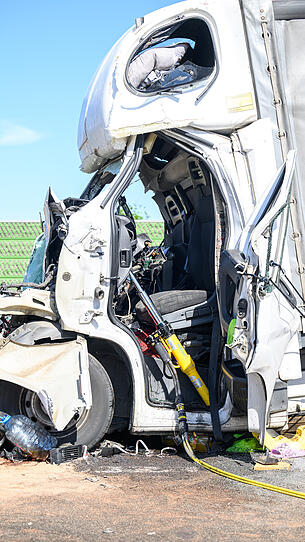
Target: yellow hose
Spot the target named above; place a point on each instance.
(187, 365)
(242, 479)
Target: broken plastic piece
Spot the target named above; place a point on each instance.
(281, 446)
(107, 448)
(67, 453)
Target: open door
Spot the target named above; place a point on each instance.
(266, 319)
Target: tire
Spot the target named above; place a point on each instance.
(122, 386)
(88, 428)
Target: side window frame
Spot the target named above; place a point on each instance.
(177, 89)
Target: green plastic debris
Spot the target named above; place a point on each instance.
(231, 329)
(244, 444)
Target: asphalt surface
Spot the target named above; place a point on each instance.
(141, 498)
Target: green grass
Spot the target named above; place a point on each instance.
(17, 241)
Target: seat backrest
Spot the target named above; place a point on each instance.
(192, 244)
(200, 259)
(200, 255)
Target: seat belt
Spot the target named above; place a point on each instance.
(212, 376)
(167, 268)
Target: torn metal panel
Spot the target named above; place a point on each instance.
(276, 324)
(268, 325)
(30, 302)
(58, 373)
(114, 109)
(31, 333)
(291, 369)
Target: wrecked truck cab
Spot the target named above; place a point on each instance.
(95, 299)
(115, 109)
(210, 160)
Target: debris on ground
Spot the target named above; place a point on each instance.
(108, 448)
(67, 453)
(31, 439)
(279, 465)
(283, 447)
(143, 456)
(244, 443)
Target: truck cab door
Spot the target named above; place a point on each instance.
(266, 319)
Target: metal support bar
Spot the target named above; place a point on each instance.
(278, 104)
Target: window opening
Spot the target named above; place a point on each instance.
(175, 56)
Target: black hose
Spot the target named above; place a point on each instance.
(39, 286)
(182, 421)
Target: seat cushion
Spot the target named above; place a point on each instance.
(171, 301)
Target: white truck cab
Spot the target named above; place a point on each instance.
(200, 102)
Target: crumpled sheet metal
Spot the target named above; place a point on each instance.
(277, 322)
(58, 373)
(30, 301)
(112, 111)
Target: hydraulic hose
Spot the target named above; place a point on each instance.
(236, 477)
(183, 431)
(164, 355)
(170, 343)
(166, 335)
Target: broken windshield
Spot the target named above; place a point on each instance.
(103, 177)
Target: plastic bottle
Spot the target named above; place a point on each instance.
(27, 435)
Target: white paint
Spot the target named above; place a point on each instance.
(54, 372)
(112, 111)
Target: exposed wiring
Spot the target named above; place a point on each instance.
(129, 302)
(39, 286)
(167, 450)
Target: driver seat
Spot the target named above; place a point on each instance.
(186, 308)
(180, 308)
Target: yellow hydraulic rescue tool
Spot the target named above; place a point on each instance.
(166, 343)
(186, 364)
(165, 335)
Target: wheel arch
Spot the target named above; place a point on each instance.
(116, 362)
